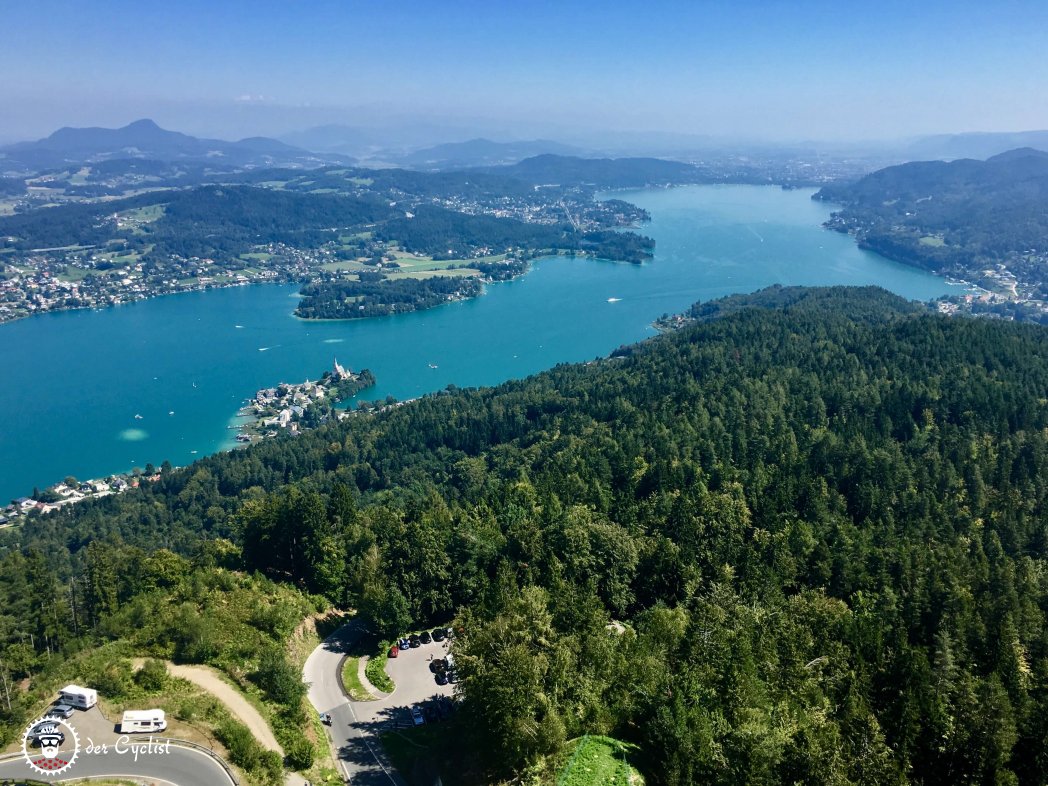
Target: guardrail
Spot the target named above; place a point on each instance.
(204, 749)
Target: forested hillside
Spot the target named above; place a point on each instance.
(819, 516)
(982, 221)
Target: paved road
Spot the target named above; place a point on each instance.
(178, 767)
(355, 725)
(357, 755)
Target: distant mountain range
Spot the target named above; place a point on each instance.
(973, 145)
(902, 186)
(144, 139)
(551, 169)
(482, 152)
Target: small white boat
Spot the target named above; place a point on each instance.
(614, 299)
(138, 417)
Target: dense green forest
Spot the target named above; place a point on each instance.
(226, 221)
(203, 221)
(956, 217)
(10, 186)
(448, 234)
(818, 518)
(374, 295)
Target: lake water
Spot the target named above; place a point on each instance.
(74, 382)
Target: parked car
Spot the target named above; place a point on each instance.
(439, 634)
(441, 678)
(404, 643)
(61, 711)
(414, 640)
(394, 651)
(416, 716)
(425, 637)
(438, 665)
(46, 734)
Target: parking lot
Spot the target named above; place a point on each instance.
(416, 685)
(91, 724)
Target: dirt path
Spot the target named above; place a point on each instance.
(210, 680)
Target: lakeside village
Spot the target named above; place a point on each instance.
(293, 409)
(284, 409)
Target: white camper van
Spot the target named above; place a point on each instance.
(75, 696)
(142, 721)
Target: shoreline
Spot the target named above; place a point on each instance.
(134, 301)
(333, 388)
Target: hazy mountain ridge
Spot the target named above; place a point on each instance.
(483, 152)
(920, 179)
(550, 169)
(146, 140)
(979, 144)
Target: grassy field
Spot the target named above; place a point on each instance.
(347, 265)
(933, 241)
(75, 273)
(463, 272)
(351, 680)
(598, 761)
(146, 214)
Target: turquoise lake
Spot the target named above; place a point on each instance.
(74, 382)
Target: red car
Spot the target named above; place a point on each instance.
(393, 651)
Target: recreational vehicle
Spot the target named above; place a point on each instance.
(142, 721)
(75, 696)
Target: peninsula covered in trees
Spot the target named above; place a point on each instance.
(799, 540)
(978, 221)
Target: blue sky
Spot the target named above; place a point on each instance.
(764, 70)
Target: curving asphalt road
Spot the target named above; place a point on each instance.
(178, 767)
(359, 755)
(356, 725)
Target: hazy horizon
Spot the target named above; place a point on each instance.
(755, 72)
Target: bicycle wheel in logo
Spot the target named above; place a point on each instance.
(50, 745)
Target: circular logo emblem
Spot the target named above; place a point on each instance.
(50, 745)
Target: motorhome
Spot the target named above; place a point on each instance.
(142, 721)
(76, 696)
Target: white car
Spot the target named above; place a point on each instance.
(416, 716)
